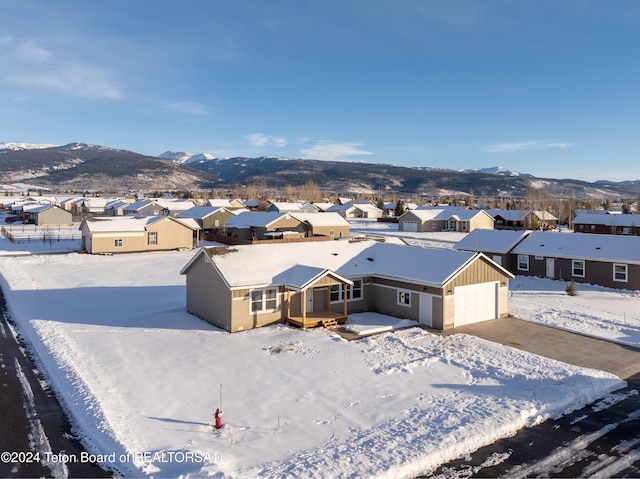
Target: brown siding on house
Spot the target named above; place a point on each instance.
(595, 272)
(208, 296)
(385, 301)
(405, 285)
(242, 318)
(448, 311)
(171, 234)
(480, 271)
(482, 222)
(338, 231)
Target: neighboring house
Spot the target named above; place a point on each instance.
(523, 219)
(307, 284)
(613, 224)
(158, 206)
(321, 207)
(223, 203)
(496, 244)
(283, 207)
(42, 215)
(612, 261)
(356, 210)
(260, 225)
(423, 220)
(324, 224)
(94, 206)
(116, 208)
(210, 220)
(130, 234)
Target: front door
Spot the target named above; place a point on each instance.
(309, 305)
(551, 268)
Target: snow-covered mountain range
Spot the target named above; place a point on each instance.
(184, 158)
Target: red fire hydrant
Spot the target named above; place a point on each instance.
(218, 416)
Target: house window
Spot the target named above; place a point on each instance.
(353, 292)
(523, 262)
(153, 237)
(577, 266)
(404, 298)
(593, 228)
(464, 226)
(620, 272)
(332, 233)
(216, 223)
(117, 243)
(264, 300)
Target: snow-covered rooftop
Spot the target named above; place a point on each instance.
(581, 246)
(491, 241)
(607, 219)
(122, 223)
(264, 264)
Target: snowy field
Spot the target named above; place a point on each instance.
(141, 377)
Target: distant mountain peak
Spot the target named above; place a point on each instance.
(496, 170)
(184, 158)
(13, 146)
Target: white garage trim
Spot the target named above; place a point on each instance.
(410, 226)
(474, 303)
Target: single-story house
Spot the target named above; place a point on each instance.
(356, 210)
(463, 220)
(325, 224)
(606, 260)
(523, 219)
(224, 203)
(260, 225)
(284, 207)
(496, 244)
(210, 219)
(613, 224)
(244, 287)
(116, 207)
(128, 234)
(158, 206)
(48, 215)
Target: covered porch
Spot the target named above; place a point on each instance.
(308, 299)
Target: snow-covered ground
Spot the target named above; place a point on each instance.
(142, 378)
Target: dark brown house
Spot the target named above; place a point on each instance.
(612, 261)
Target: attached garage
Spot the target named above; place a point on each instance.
(475, 302)
(410, 226)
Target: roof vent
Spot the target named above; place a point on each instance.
(369, 259)
(598, 247)
(334, 254)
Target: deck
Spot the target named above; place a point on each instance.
(321, 318)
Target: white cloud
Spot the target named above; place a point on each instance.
(260, 139)
(334, 151)
(189, 107)
(74, 79)
(30, 51)
(33, 65)
(524, 145)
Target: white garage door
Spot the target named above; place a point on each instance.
(411, 226)
(474, 303)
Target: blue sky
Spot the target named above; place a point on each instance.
(550, 88)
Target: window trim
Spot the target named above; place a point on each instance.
(574, 263)
(626, 272)
(520, 267)
(118, 242)
(406, 294)
(155, 236)
(357, 286)
(263, 300)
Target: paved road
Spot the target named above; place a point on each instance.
(35, 435)
(600, 440)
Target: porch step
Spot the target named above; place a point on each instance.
(329, 323)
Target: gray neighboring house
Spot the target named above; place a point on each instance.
(450, 218)
(48, 215)
(244, 287)
(606, 260)
(496, 244)
(210, 220)
(613, 224)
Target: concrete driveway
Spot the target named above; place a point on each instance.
(572, 348)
